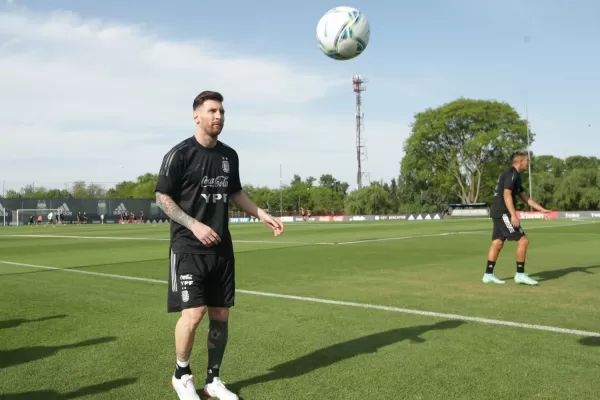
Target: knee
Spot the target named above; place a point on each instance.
(218, 313)
(193, 316)
(498, 244)
(524, 242)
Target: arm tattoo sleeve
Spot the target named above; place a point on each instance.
(167, 204)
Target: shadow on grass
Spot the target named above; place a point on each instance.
(330, 355)
(9, 358)
(590, 341)
(554, 274)
(13, 323)
(86, 391)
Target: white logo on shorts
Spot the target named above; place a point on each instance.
(185, 296)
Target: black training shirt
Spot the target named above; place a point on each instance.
(200, 180)
(509, 179)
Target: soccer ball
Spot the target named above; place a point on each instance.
(343, 33)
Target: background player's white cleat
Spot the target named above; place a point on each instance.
(217, 390)
(185, 388)
(525, 279)
(490, 278)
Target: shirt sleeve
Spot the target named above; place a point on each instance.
(235, 185)
(171, 173)
(507, 182)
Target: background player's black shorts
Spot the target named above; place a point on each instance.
(197, 280)
(504, 230)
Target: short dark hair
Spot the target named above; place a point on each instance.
(207, 95)
(519, 153)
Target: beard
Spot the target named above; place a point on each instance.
(213, 130)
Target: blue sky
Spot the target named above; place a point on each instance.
(81, 80)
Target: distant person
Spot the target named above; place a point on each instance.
(506, 221)
(197, 179)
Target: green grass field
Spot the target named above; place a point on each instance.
(102, 335)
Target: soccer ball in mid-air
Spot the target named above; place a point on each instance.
(343, 33)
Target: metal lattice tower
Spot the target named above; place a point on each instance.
(361, 150)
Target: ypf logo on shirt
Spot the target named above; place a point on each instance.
(214, 197)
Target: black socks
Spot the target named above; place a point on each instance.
(181, 371)
(217, 341)
(489, 269)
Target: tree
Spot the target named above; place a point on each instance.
(456, 144)
(372, 199)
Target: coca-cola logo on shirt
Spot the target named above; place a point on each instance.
(219, 181)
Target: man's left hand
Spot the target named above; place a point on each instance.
(274, 223)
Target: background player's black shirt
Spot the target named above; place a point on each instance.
(200, 181)
(509, 179)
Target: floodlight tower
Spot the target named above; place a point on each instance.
(361, 150)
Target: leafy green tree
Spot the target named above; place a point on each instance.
(454, 145)
(372, 199)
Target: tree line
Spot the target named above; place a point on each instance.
(454, 154)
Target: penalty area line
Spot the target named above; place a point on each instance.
(486, 321)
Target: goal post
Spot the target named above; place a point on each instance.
(22, 216)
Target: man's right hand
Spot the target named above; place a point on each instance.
(514, 220)
(205, 234)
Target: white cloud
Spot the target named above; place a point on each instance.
(76, 89)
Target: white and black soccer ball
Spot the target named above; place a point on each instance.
(343, 33)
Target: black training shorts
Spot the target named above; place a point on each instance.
(504, 229)
(197, 280)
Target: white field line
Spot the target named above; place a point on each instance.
(453, 233)
(156, 239)
(486, 321)
(301, 243)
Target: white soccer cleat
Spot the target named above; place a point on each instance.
(185, 388)
(525, 279)
(490, 278)
(217, 390)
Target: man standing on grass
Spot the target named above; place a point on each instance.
(506, 222)
(197, 179)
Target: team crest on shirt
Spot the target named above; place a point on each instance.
(225, 165)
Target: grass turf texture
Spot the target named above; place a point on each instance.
(69, 335)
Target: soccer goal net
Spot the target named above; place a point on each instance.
(24, 216)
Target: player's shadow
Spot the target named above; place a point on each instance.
(86, 391)
(561, 273)
(9, 358)
(590, 341)
(13, 323)
(342, 351)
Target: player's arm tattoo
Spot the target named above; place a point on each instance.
(166, 203)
